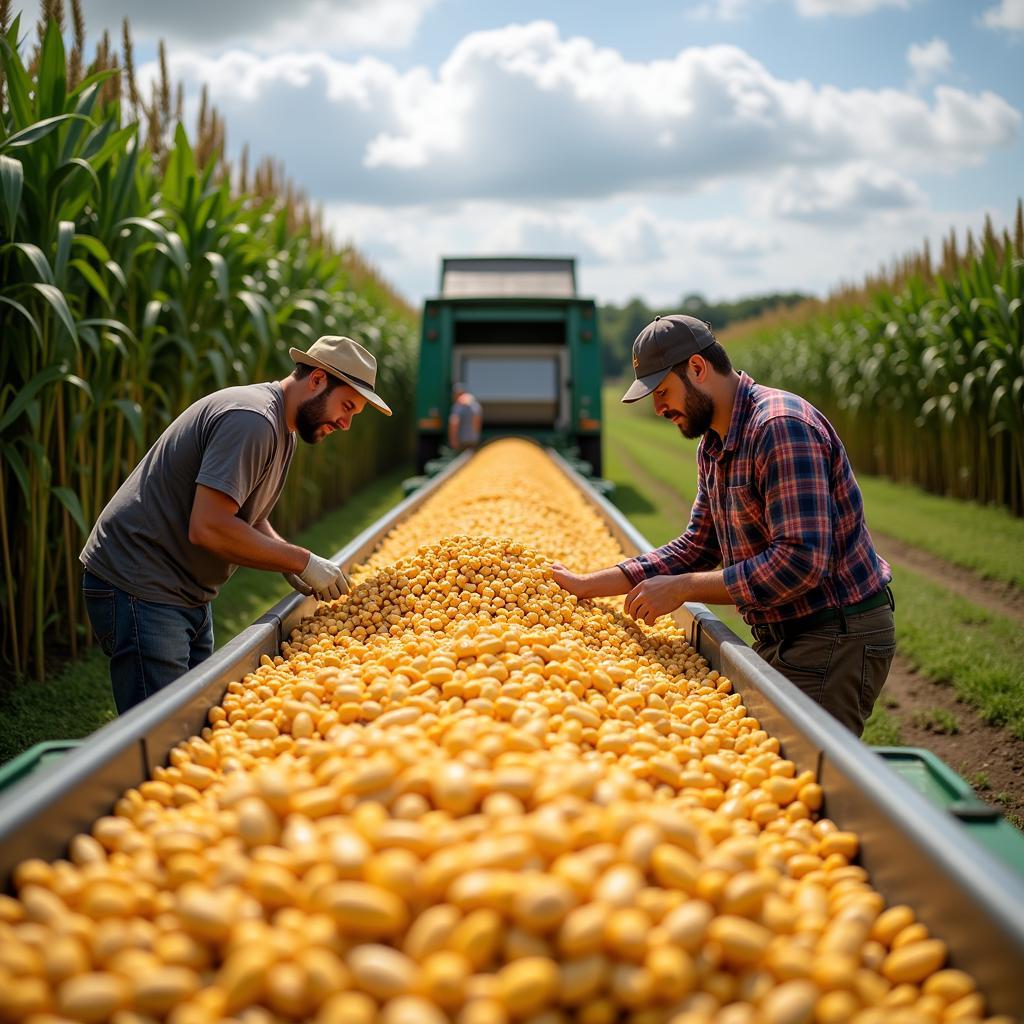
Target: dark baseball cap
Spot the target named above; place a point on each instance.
(664, 342)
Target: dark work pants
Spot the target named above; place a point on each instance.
(843, 671)
(149, 645)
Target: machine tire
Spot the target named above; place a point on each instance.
(590, 451)
(427, 448)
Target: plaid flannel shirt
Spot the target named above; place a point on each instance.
(777, 504)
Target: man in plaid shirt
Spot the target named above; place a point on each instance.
(778, 508)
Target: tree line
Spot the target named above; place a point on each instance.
(619, 325)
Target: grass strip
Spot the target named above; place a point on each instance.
(985, 539)
(950, 640)
(73, 703)
(882, 729)
(672, 467)
(77, 700)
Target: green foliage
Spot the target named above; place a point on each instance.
(129, 287)
(923, 380)
(619, 325)
(882, 729)
(983, 538)
(936, 720)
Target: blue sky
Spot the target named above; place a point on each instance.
(720, 146)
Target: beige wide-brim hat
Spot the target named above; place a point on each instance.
(348, 361)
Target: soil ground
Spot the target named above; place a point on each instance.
(987, 756)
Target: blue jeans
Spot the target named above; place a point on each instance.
(149, 645)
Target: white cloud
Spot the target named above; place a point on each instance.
(733, 10)
(1008, 14)
(720, 257)
(628, 251)
(265, 25)
(929, 60)
(848, 8)
(844, 195)
(634, 236)
(520, 112)
(705, 171)
(723, 10)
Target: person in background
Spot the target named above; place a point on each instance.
(198, 506)
(465, 420)
(778, 508)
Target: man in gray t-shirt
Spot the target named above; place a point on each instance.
(465, 420)
(197, 506)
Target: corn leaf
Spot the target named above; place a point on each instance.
(14, 304)
(33, 133)
(69, 500)
(94, 280)
(35, 256)
(132, 412)
(18, 467)
(12, 177)
(65, 236)
(29, 392)
(59, 304)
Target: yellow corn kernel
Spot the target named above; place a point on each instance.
(915, 961)
(528, 986)
(364, 910)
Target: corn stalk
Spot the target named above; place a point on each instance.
(134, 278)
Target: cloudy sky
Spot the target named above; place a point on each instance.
(720, 146)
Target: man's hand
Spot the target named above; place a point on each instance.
(571, 581)
(655, 597)
(296, 584)
(324, 578)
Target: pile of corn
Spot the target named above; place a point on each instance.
(510, 490)
(461, 795)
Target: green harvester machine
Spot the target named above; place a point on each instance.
(514, 331)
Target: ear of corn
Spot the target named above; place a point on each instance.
(502, 804)
(133, 280)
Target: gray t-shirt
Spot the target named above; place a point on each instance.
(234, 441)
(464, 413)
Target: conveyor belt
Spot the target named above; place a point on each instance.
(914, 852)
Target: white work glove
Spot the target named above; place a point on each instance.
(321, 577)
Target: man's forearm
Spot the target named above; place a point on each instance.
(267, 530)
(241, 544)
(708, 588)
(606, 583)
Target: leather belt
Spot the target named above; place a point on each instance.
(778, 631)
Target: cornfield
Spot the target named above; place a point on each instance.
(921, 370)
(137, 273)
